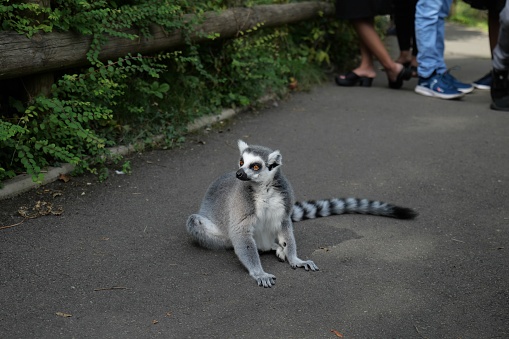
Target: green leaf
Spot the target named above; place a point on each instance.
(164, 88)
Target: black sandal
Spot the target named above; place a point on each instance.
(414, 71)
(352, 79)
(404, 74)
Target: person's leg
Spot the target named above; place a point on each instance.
(364, 74)
(429, 31)
(440, 42)
(403, 19)
(411, 25)
(501, 51)
(365, 29)
(441, 67)
(493, 29)
(366, 67)
(426, 27)
(494, 9)
(500, 85)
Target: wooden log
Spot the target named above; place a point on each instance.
(35, 84)
(21, 56)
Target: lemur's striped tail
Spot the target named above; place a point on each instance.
(321, 208)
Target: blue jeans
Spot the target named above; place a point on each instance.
(501, 51)
(430, 35)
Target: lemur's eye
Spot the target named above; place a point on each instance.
(256, 167)
(241, 162)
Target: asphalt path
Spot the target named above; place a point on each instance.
(118, 262)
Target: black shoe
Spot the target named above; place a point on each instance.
(404, 74)
(351, 79)
(408, 64)
(484, 82)
(500, 90)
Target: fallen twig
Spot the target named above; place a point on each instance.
(418, 332)
(153, 163)
(9, 226)
(110, 288)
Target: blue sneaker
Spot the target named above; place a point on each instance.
(484, 82)
(437, 86)
(462, 87)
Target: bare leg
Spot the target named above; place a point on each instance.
(366, 68)
(365, 29)
(404, 57)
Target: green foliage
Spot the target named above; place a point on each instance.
(136, 98)
(76, 123)
(468, 16)
(96, 18)
(252, 66)
(126, 167)
(14, 17)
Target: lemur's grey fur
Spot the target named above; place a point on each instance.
(252, 210)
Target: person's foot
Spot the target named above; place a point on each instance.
(413, 66)
(460, 86)
(397, 75)
(361, 76)
(404, 58)
(500, 90)
(350, 79)
(484, 82)
(438, 87)
(365, 72)
(392, 74)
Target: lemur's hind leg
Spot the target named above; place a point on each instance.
(206, 232)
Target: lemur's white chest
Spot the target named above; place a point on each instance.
(270, 211)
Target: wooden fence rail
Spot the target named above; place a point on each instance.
(21, 56)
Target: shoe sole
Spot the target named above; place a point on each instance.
(466, 90)
(498, 108)
(480, 86)
(430, 93)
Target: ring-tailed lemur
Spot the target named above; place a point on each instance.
(252, 210)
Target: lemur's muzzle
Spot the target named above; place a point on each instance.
(242, 175)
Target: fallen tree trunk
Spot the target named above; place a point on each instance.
(21, 56)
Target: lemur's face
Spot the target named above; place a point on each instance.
(251, 167)
(256, 163)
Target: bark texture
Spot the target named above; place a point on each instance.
(21, 56)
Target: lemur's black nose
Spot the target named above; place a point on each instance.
(242, 175)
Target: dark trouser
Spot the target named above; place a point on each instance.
(404, 19)
(501, 51)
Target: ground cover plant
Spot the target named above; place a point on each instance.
(137, 97)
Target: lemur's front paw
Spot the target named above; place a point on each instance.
(306, 264)
(264, 279)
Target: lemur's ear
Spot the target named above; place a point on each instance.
(242, 146)
(275, 159)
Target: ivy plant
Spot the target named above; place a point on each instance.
(137, 97)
